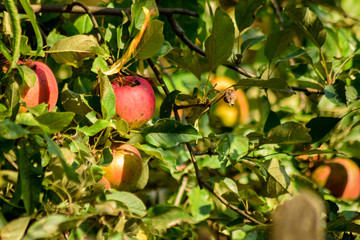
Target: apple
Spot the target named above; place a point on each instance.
(125, 170)
(45, 89)
(222, 116)
(341, 176)
(135, 100)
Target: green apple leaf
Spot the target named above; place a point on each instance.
(168, 104)
(287, 133)
(185, 60)
(74, 102)
(309, 24)
(244, 13)
(15, 229)
(55, 121)
(73, 50)
(168, 133)
(107, 96)
(10, 130)
(96, 127)
(320, 126)
(55, 150)
(272, 83)
(131, 202)
(336, 93)
(219, 45)
(151, 41)
(277, 43)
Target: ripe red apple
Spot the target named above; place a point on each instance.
(125, 170)
(45, 89)
(341, 176)
(135, 100)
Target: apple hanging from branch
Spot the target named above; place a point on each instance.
(45, 89)
(135, 100)
(125, 170)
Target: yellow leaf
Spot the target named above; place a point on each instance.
(116, 67)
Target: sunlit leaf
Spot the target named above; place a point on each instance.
(168, 133)
(73, 50)
(288, 133)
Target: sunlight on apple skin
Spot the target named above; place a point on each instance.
(125, 169)
(341, 176)
(135, 101)
(45, 89)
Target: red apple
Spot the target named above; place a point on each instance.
(45, 89)
(341, 176)
(125, 169)
(135, 100)
(106, 182)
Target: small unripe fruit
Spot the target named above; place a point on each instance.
(45, 89)
(135, 101)
(341, 176)
(125, 170)
(222, 116)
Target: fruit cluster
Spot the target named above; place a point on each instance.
(135, 103)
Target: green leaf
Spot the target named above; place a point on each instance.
(10, 130)
(288, 133)
(168, 133)
(232, 145)
(219, 45)
(342, 225)
(163, 216)
(55, 121)
(30, 176)
(244, 13)
(320, 126)
(151, 41)
(185, 60)
(309, 24)
(54, 149)
(168, 104)
(74, 102)
(15, 229)
(165, 156)
(96, 127)
(73, 50)
(272, 83)
(29, 75)
(271, 121)
(336, 92)
(107, 97)
(11, 8)
(83, 24)
(131, 201)
(277, 181)
(200, 204)
(47, 227)
(30, 14)
(99, 64)
(277, 43)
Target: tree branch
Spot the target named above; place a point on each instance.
(202, 183)
(63, 8)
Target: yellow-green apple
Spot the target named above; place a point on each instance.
(125, 170)
(224, 117)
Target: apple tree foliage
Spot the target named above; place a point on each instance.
(297, 61)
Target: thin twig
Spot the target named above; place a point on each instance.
(202, 183)
(229, 205)
(91, 16)
(181, 191)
